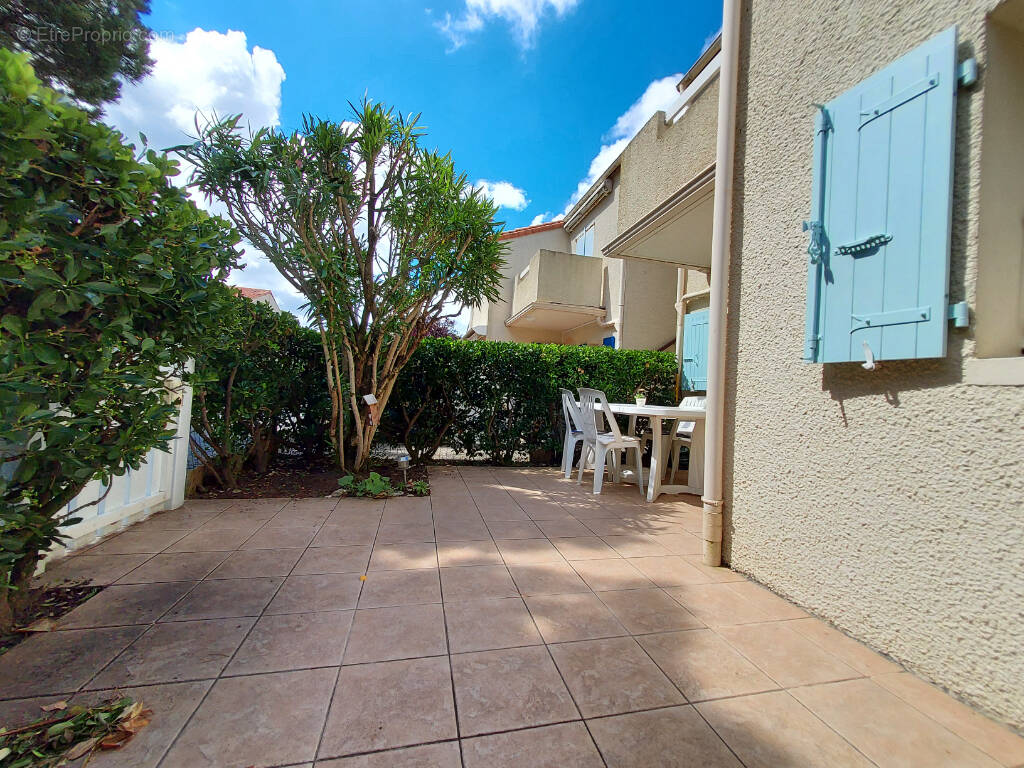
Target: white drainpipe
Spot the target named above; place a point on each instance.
(714, 435)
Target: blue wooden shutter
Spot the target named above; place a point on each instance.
(881, 212)
(695, 350)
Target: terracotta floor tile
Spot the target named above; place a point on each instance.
(636, 545)
(350, 559)
(236, 521)
(528, 551)
(468, 553)
(704, 665)
(349, 509)
(612, 676)
(138, 542)
(505, 512)
(567, 527)
(717, 575)
(346, 534)
(547, 579)
(773, 730)
(617, 573)
(400, 557)
(642, 611)
(174, 566)
(609, 526)
(508, 529)
(668, 738)
(843, 647)
(176, 651)
(126, 604)
(442, 755)
(511, 688)
(679, 543)
(285, 537)
(247, 564)
(390, 588)
(479, 625)
(257, 720)
(670, 571)
(584, 548)
(95, 569)
(990, 737)
(293, 641)
(567, 745)
(786, 656)
(475, 582)
(446, 530)
(220, 540)
(405, 533)
(717, 605)
(174, 702)
(60, 662)
(405, 632)
(388, 705)
(886, 729)
(562, 618)
(322, 592)
(771, 605)
(225, 598)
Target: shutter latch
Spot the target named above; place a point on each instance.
(863, 246)
(815, 248)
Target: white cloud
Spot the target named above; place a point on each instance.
(208, 73)
(543, 218)
(523, 16)
(504, 194)
(658, 95)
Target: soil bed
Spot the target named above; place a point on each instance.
(297, 480)
(49, 603)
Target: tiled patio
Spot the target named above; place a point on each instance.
(512, 619)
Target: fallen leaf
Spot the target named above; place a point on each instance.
(56, 706)
(81, 748)
(42, 625)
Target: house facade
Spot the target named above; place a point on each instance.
(866, 375)
(568, 282)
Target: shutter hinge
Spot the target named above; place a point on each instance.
(959, 314)
(967, 72)
(811, 348)
(815, 248)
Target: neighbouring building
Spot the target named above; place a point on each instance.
(870, 394)
(259, 295)
(567, 282)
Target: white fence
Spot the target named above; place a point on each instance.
(159, 483)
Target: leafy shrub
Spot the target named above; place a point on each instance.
(499, 398)
(259, 387)
(110, 279)
(419, 488)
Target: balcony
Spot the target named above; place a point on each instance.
(557, 291)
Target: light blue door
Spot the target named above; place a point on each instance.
(695, 350)
(881, 212)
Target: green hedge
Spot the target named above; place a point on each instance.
(495, 399)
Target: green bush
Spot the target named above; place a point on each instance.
(498, 398)
(258, 388)
(110, 279)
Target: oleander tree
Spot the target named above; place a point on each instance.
(110, 280)
(383, 238)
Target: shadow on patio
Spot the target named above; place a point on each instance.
(511, 619)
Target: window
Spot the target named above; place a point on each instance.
(878, 273)
(583, 243)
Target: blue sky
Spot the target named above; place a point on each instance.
(533, 97)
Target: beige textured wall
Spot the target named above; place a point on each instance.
(649, 320)
(662, 158)
(520, 251)
(890, 502)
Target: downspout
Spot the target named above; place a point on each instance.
(714, 431)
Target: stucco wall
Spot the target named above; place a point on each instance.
(650, 315)
(520, 251)
(662, 158)
(891, 501)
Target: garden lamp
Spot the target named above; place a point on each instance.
(403, 464)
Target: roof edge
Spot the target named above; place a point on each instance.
(533, 229)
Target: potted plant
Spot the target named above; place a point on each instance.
(641, 396)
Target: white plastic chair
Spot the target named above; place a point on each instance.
(573, 430)
(600, 444)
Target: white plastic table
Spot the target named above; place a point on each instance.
(674, 414)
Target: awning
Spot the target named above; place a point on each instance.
(678, 231)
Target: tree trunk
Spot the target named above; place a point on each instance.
(16, 599)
